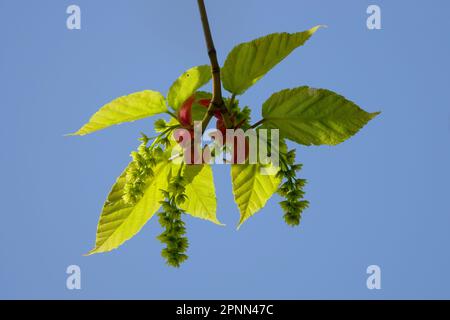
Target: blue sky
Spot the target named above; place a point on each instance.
(380, 198)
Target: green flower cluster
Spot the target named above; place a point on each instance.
(291, 189)
(170, 219)
(240, 116)
(139, 171)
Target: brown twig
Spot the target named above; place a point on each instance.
(217, 102)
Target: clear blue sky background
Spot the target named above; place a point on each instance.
(380, 198)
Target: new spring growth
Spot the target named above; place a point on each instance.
(292, 189)
(139, 171)
(170, 219)
(304, 115)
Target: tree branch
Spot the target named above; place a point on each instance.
(217, 102)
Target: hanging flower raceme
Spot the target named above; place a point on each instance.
(139, 171)
(291, 189)
(170, 218)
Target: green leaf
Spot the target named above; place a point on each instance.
(251, 188)
(133, 107)
(250, 61)
(201, 194)
(119, 221)
(314, 116)
(187, 84)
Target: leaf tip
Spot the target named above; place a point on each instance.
(90, 253)
(81, 132)
(375, 114)
(241, 222)
(98, 250)
(74, 134)
(314, 29)
(220, 224)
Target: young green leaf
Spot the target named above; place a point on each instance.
(187, 84)
(120, 221)
(251, 188)
(250, 61)
(132, 107)
(200, 191)
(314, 116)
